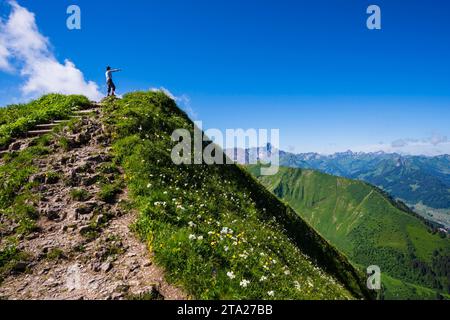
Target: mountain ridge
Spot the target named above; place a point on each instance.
(228, 240)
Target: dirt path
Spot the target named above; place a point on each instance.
(84, 248)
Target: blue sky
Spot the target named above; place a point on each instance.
(310, 68)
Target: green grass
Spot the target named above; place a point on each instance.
(17, 119)
(64, 143)
(109, 168)
(367, 226)
(80, 194)
(55, 254)
(109, 191)
(17, 198)
(10, 255)
(214, 228)
(112, 248)
(52, 177)
(395, 289)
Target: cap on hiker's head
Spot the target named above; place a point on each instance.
(108, 68)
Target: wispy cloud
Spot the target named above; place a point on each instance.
(437, 139)
(183, 101)
(400, 143)
(433, 140)
(25, 51)
(433, 145)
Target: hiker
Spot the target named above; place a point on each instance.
(109, 81)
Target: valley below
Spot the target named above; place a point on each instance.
(371, 228)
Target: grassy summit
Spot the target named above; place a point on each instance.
(216, 230)
(370, 228)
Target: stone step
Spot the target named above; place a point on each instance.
(34, 133)
(46, 126)
(87, 111)
(58, 122)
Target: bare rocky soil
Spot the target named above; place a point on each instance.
(84, 249)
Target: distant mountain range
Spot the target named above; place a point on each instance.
(422, 182)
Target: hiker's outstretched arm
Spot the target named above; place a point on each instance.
(116, 70)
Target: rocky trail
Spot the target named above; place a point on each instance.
(84, 248)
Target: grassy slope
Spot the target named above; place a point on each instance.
(414, 179)
(17, 119)
(396, 289)
(364, 224)
(17, 201)
(212, 227)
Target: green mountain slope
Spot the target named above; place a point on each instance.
(368, 226)
(422, 182)
(216, 231)
(214, 228)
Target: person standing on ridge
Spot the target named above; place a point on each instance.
(109, 81)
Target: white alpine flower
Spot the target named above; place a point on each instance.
(244, 283)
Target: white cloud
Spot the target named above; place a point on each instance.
(184, 101)
(24, 49)
(4, 53)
